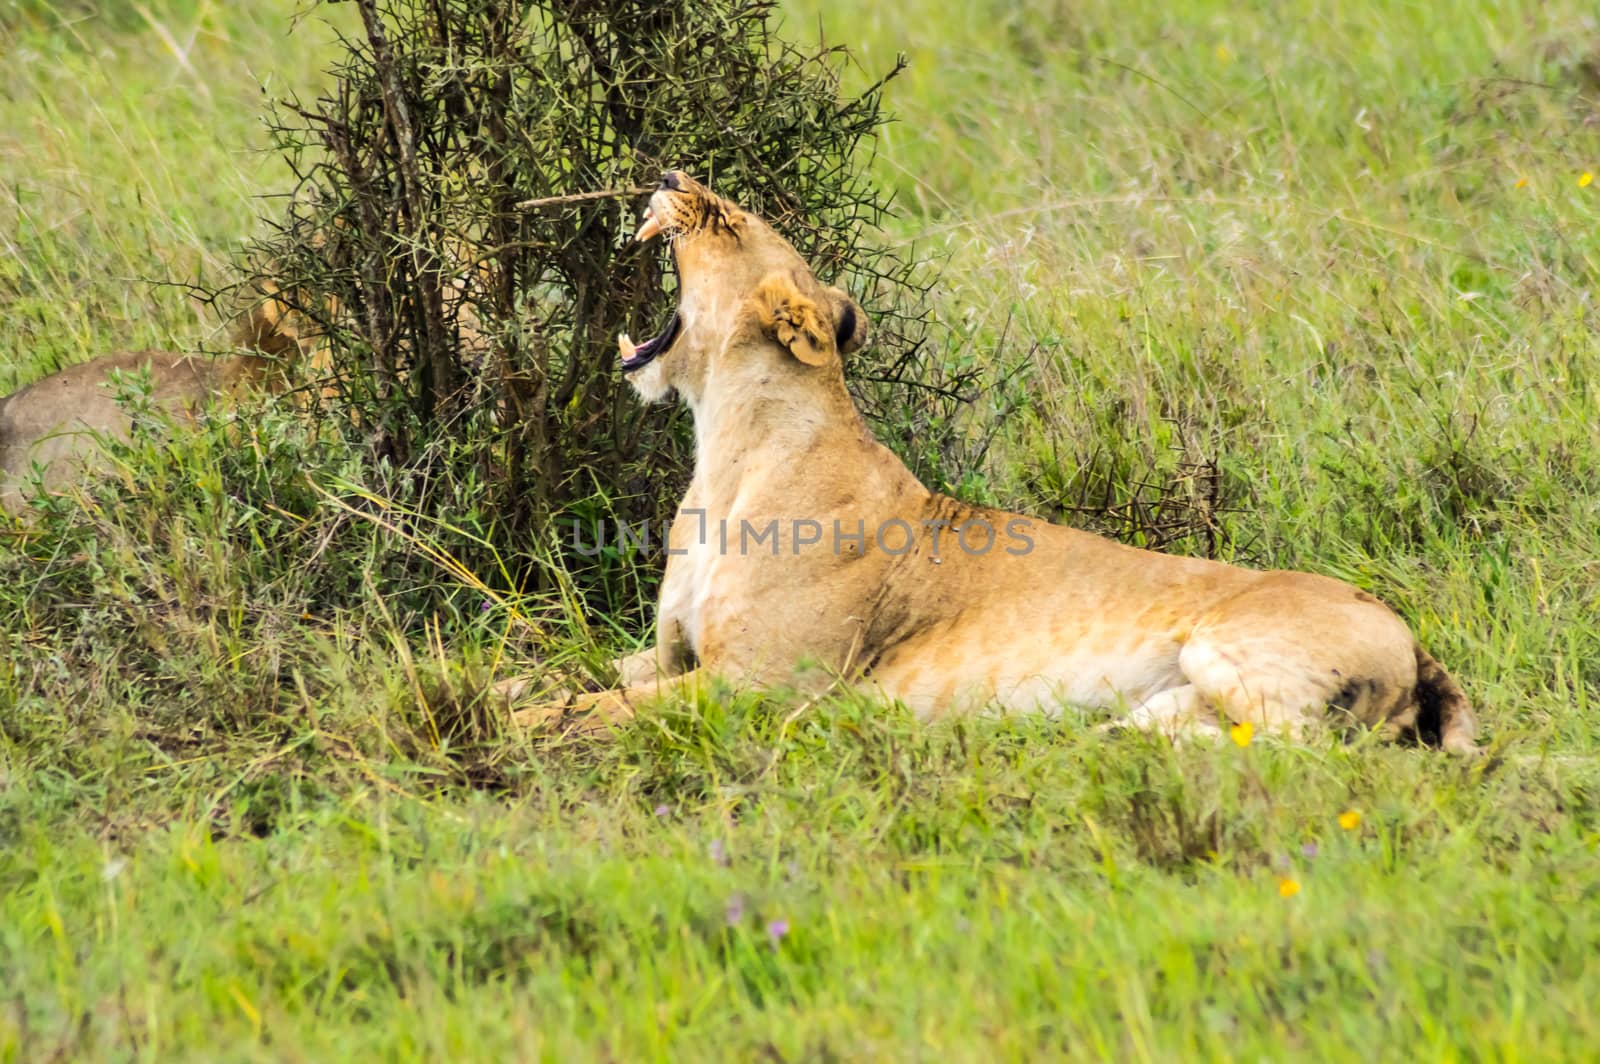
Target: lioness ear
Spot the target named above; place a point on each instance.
(793, 320)
(849, 322)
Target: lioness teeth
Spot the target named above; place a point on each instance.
(625, 345)
(650, 228)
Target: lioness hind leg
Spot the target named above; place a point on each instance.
(1178, 713)
(1281, 689)
(1281, 654)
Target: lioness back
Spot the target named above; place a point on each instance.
(54, 422)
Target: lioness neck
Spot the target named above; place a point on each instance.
(759, 410)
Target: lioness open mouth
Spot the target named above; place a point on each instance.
(649, 227)
(637, 356)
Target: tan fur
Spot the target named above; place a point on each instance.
(981, 608)
(271, 321)
(792, 320)
(57, 422)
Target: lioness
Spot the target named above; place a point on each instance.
(872, 579)
(57, 421)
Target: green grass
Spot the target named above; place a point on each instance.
(249, 810)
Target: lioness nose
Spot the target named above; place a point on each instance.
(672, 180)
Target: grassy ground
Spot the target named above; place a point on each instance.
(1318, 287)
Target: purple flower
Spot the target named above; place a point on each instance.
(734, 911)
(776, 929)
(484, 606)
(662, 810)
(718, 852)
(1309, 849)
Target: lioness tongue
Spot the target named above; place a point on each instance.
(650, 228)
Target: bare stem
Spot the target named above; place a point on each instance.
(583, 197)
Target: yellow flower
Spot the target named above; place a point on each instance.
(1223, 55)
(1522, 182)
(1585, 180)
(1288, 888)
(1242, 732)
(1350, 819)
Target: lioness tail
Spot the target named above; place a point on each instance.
(1444, 715)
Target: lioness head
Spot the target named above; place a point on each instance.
(746, 299)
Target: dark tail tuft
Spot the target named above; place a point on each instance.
(1444, 715)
